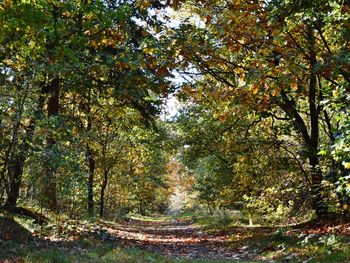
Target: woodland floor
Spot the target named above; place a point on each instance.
(178, 240)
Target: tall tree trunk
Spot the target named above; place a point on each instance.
(14, 163)
(49, 191)
(316, 173)
(103, 190)
(311, 141)
(91, 164)
(316, 179)
(14, 172)
(90, 158)
(311, 147)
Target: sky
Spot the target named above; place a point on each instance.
(170, 108)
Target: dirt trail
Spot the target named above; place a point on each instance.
(176, 239)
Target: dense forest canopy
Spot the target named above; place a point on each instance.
(263, 121)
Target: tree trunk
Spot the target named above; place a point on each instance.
(311, 141)
(311, 147)
(91, 164)
(14, 171)
(316, 179)
(15, 164)
(103, 189)
(316, 173)
(49, 192)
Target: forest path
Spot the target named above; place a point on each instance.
(178, 239)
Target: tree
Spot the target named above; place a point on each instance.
(274, 56)
(60, 51)
(238, 156)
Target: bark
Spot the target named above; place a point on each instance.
(90, 159)
(12, 165)
(91, 164)
(49, 191)
(14, 172)
(103, 190)
(15, 164)
(311, 146)
(311, 141)
(316, 173)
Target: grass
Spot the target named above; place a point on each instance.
(338, 257)
(222, 222)
(160, 218)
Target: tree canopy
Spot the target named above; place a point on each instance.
(262, 122)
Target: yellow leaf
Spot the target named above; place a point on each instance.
(149, 51)
(294, 86)
(143, 3)
(255, 89)
(293, 249)
(222, 117)
(346, 165)
(274, 93)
